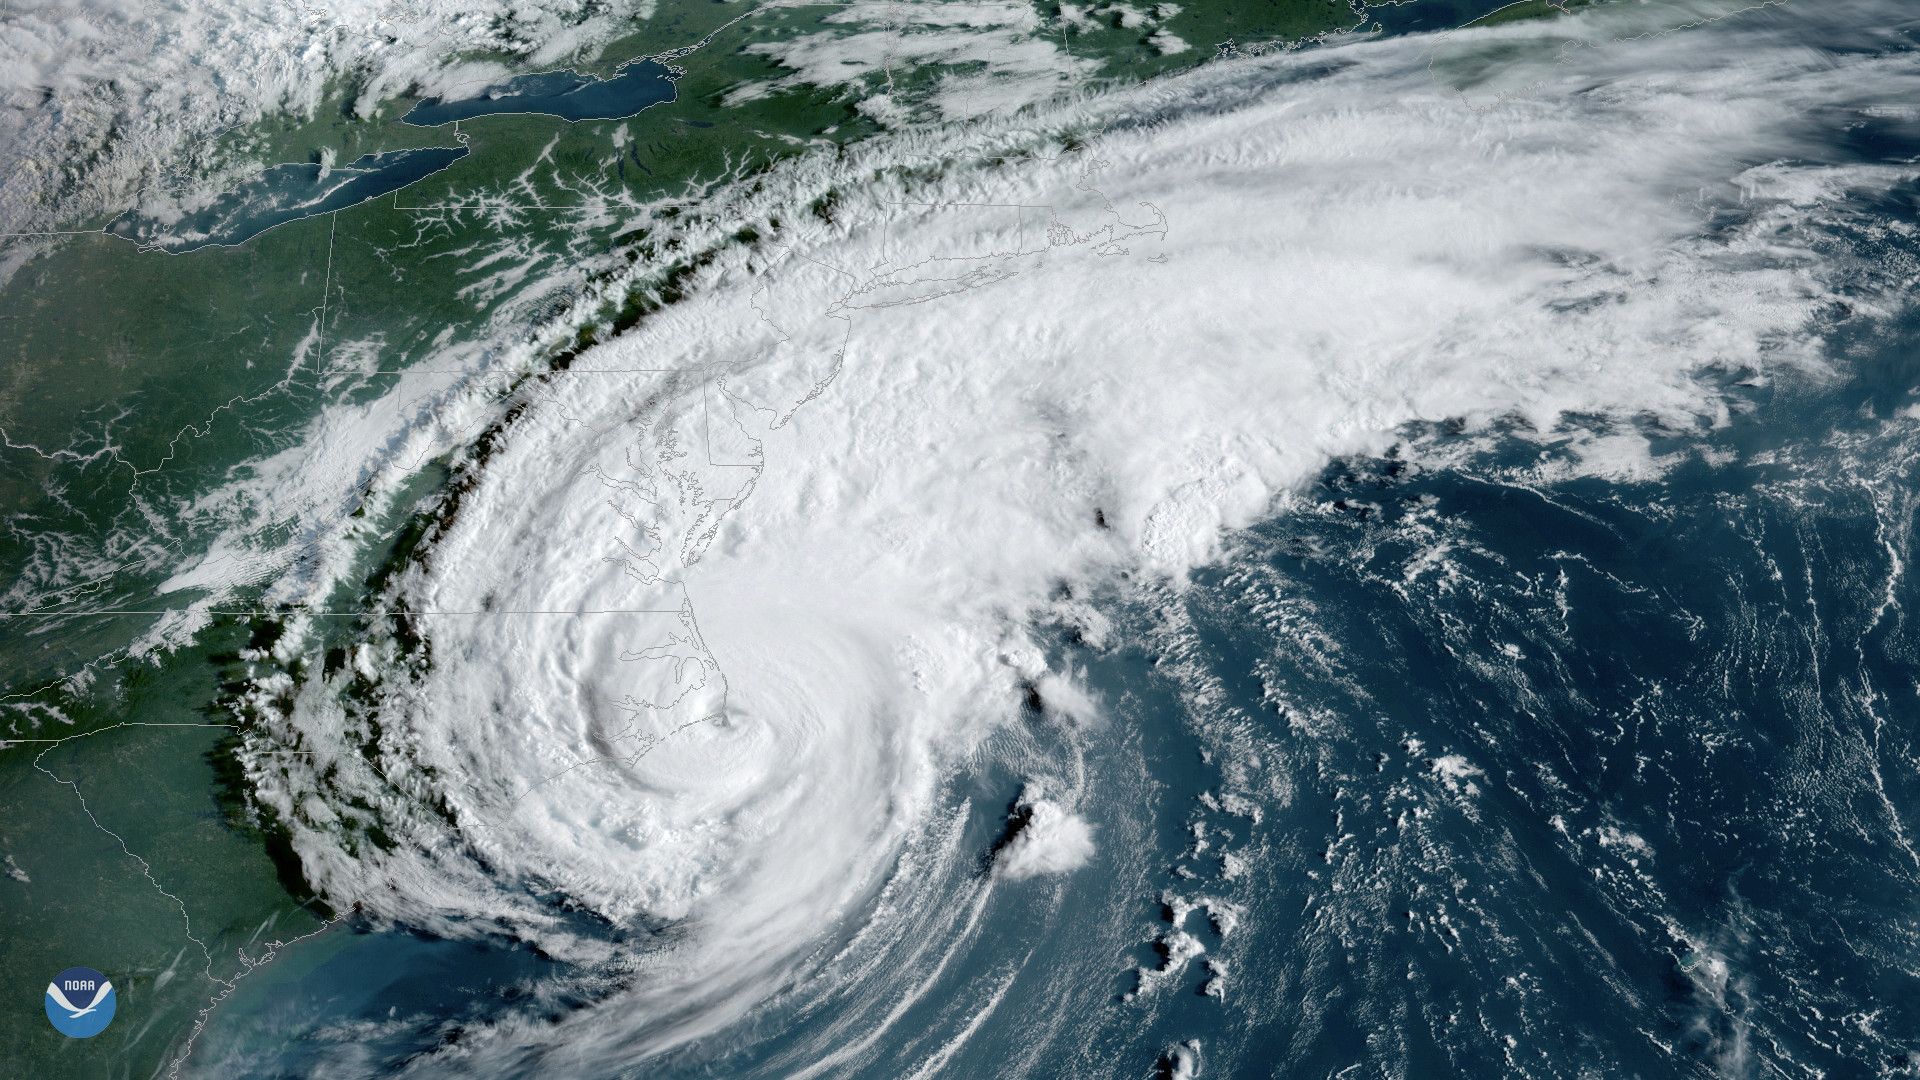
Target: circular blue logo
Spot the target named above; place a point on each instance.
(80, 1002)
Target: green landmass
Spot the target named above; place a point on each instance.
(131, 382)
(1529, 9)
(71, 894)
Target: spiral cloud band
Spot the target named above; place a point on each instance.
(709, 619)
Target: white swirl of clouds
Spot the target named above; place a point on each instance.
(829, 490)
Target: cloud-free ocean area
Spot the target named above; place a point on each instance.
(1582, 769)
(1482, 650)
(1286, 572)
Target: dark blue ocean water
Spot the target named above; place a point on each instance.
(636, 86)
(1428, 16)
(1528, 772)
(1686, 710)
(1476, 758)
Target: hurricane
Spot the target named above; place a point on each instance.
(1383, 558)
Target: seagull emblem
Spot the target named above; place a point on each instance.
(60, 999)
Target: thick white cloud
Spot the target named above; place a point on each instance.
(825, 494)
(1053, 840)
(1020, 61)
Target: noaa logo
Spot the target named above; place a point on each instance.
(80, 1002)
